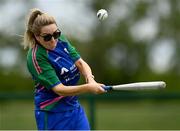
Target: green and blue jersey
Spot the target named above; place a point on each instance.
(50, 68)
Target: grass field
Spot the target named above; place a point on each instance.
(119, 115)
(145, 115)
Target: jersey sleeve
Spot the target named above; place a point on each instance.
(71, 49)
(41, 70)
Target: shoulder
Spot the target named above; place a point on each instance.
(37, 59)
(37, 52)
(64, 41)
(63, 38)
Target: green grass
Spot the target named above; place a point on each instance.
(119, 115)
(137, 115)
(17, 115)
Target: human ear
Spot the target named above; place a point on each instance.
(37, 37)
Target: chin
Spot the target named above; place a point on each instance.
(52, 47)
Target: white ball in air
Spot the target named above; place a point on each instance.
(102, 14)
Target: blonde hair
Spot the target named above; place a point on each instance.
(36, 20)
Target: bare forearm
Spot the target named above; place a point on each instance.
(79, 89)
(70, 90)
(85, 70)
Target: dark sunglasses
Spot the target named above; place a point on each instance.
(55, 35)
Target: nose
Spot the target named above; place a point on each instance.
(52, 39)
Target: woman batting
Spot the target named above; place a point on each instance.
(55, 67)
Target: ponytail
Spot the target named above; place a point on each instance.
(36, 20)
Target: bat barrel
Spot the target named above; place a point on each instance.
(138, 86)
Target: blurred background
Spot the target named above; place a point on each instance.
(138, 42)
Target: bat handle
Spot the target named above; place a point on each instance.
(107, 88)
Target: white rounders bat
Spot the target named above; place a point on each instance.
(153, 85)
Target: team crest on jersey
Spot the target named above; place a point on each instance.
(64, 70)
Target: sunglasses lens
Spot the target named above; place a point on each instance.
(56, 34)
(47, 37)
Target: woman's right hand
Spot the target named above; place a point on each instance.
(95, 88)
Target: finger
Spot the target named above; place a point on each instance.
(101, 84)
(102, 89)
